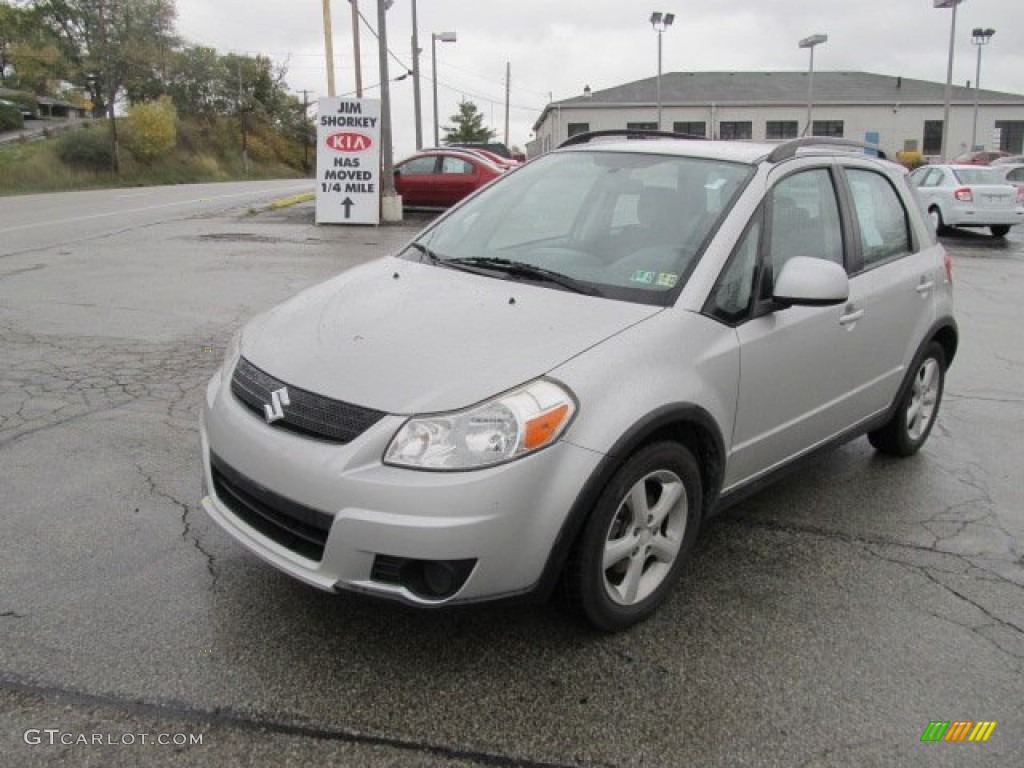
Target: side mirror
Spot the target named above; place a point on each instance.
(808, 282)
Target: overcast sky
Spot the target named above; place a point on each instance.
(556, 47)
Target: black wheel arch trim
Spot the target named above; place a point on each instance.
(945, 332)
(682, 422)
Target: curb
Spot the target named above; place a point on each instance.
(284, 202)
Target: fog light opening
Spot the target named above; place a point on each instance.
(429, 579)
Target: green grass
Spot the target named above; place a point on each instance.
(28, 167)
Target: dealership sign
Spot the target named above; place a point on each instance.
(348, 162)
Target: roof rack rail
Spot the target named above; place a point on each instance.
(629, 133)
(788, 149)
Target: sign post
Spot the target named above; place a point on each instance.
(348, 161)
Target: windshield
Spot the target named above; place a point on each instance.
(615, 224)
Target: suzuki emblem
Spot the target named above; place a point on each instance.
(275, 409)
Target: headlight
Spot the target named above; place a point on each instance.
(499, 430)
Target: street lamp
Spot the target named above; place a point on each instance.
(810, 42)
(444, 37)
(979, 37)
(660, 22)
(949, 73)
(416, 79)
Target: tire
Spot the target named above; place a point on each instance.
(637, 538)
(912, 422)
(999, 230)
(935, 217)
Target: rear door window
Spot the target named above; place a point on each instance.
(883, 224)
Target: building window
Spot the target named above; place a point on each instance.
(827, 128)
(932, 144)
(698, 128)
(641, 126)
(781, 129)
(736, 129)
(577, 128)
(1011, 135)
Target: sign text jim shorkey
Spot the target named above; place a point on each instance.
(349, 116)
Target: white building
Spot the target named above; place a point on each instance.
(897, 113)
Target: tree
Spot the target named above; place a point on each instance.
(29, 55)
(469, 126)
(198, 83)
(112, 46)
(152, 129)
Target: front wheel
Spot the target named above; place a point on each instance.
(910, 425)
(636, 540)
(999, 230)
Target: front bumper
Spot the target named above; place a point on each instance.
(503, 520)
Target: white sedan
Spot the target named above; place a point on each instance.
(968, 196)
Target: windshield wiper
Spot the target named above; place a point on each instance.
(524, 270)
(426, 252)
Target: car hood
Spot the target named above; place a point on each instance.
(405, 337)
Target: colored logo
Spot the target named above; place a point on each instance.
(958, 730)
(349, 142)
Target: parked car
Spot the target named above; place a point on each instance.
(1012, 173)
(558, 382)
(980, 157)
(440, 178)
(496, 160)
(967, 196)
(504, 162)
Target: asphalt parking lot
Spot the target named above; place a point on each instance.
(825, 622)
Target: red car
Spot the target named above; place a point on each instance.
(439, 178)
(980, 157)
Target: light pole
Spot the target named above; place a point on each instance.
(660, 22)
(444, 37)
(810, 42)
(416, 78)
(979, 37)
(949, 73)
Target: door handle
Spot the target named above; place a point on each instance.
(925, 286)
(852, 315)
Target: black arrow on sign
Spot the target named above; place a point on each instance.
(347, 202)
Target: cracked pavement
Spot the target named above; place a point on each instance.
(823, 622)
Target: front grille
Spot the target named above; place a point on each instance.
(299, 528)
(307, 412)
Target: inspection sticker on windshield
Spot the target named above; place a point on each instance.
(667, 280)
(643, 276)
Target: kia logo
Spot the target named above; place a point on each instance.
(349, 142)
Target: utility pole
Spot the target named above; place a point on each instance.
(305, 130)
(329, 47)
(241, 114)
(355, 49)
(390, 202)
(508, 92)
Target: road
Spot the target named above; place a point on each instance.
(824, 622)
